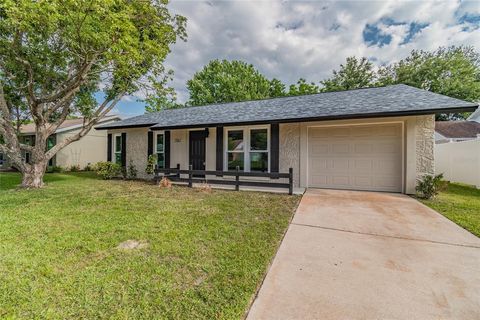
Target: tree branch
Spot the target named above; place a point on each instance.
(101, 112)
(73, 82)
(28, 68)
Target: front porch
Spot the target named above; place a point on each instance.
(230, 180)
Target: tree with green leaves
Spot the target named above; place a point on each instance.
(302, 87)
(227, 81)
(354, 74)
(277, 88)
(452, 71)
(162, 97)
(56, 55)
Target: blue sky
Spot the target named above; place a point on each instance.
(292, 39)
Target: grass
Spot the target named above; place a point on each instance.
(207, 252)
(461, 204)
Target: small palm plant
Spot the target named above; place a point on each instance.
(430, 185)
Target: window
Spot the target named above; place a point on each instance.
(117, 148)
(160, 150)
(235, 153)
(259, 150)
(50, 142)
(248, 149)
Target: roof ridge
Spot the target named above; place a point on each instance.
(284, 97)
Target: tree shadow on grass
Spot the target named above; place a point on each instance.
(12, 180)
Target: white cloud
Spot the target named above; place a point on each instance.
(293, 39)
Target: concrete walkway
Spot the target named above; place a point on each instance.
(368, 255)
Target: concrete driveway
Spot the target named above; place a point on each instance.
(368, 255)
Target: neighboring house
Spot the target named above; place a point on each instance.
(379, 139)
(89, 149)
(454, 131)
(475, 116)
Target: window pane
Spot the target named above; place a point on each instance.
(258, 139)
(118, 143)
(235, 159)
(259, 161)
(118, 158)
(50, 143)
(159, 142)
(235, 140)
(161, 160)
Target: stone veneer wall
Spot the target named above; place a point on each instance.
(137, 149)
(290, 150)
(425, 144)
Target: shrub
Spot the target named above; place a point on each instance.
(429, 186)
(54, 169)
(108, 170)
(88, 167)
(74, 168)
(132, 170)
(151, 162)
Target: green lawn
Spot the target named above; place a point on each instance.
(207, 252)
(461, 204)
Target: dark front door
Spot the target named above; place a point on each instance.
(197, 150)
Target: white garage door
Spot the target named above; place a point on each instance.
(364, 157)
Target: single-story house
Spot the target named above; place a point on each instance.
(379, 139)
(475, 116)
(88, 150)
(454, 131)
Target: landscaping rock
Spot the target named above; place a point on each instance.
(132, 244)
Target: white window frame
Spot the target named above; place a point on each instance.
(155, 151)
(114, 150)
(246, 145)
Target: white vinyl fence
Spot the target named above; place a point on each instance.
(459, 161)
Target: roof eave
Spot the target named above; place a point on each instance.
(148, 125)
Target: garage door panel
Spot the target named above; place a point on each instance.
(367, 148)
(339, 132)
(356, 157)
(319, 149)
(316, 133)
(389, 182)
(340, 181)
(342, 147)
(319, 165)
(386, 147)
(363, 164)
(363, 181)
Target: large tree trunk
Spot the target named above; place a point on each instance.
(32, 177)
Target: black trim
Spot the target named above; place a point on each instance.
(219, 149)
(322, 118)
(150, 143)
(167, 148)
(274, 147)
(124, 149)
(109, 147)
(143, 125)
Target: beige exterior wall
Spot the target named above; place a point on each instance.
(289, 156)
(89, 149)
(137, 148)
(418, 147)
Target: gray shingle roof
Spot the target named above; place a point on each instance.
(458, 129)
(370, 102)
